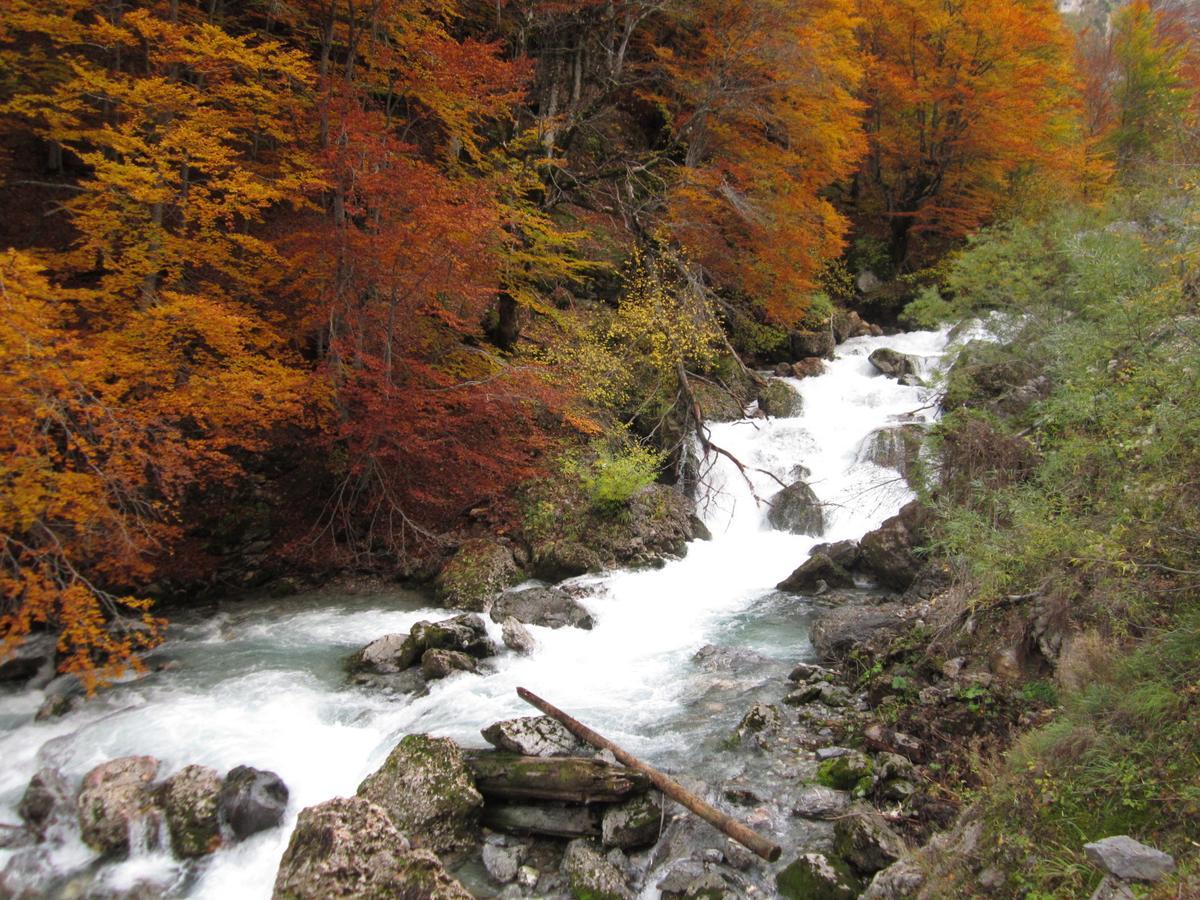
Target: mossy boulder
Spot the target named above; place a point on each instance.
(798, 510)
(635, 823)
(992, 377)
(852, 771)
(349, 847)
(590, 875)
(189, 800)
(115, 796)
(428, 791)
(779, 399)
(815, 876)
(895, 447)
(480, 570)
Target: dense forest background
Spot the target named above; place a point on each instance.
(336, 284)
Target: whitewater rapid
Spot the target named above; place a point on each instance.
(262, 684)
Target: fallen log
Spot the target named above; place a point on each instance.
(669, 786)
(543, 819)
(567, 778)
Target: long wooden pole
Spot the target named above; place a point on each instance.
(669, 786)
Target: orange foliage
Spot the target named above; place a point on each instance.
(964, 96)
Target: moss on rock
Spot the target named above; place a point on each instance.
(480, 570)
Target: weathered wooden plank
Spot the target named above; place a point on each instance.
(566, 778)
(543, 819)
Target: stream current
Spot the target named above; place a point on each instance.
(261, 682)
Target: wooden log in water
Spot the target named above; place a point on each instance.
(566, 778)
(727, 824)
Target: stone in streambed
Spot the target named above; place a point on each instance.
(815, 575)
(116, 795)
(547, 819)
(251, 800)
(465, 633)
(635, 823)
(427, 790)
(815, 876)
(31, 661)
(533, 736)
(548, 607)
(387, 655)
(47, 799)
(780, 400)
(480, 570)
(189, 800)
(349, 847)
(437, 664)
(796, 509)
(890, 552)
(503, 862)
(591, 876)
(819, 802)
(517, 637)
(893, 363)
(865, 840)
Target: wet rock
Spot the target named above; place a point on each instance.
(820, 692)
(783, 370)
(815, 576)
(838, 631)
(251, 800)
(349, 847)
(591, 876)
(796, 509)
(635, 823)
(894, 447)
(13, 837)
(189, 799)
(808, 368)
(466, 633)
(809, 672)
(1123, 857)
(47, 799)
(386, 655)
(893, 363)
(517, 637)
(900, 881)
(31, 660)
(761, 718)
(437, 664)
(780, 400)
(427, 789)
(700, 531)
(57, 706)
(851, 771)
(890, 551)
(844, 553)
(820, 802)
(116, 796)
(480, 570)
(815, 876)
(711, 658)
(548, 819)
(548, 607)
(533, 736)
(408, 682)
(849, 324)
(528, 877)
(503, 863)
(808, 344)
(864, 840)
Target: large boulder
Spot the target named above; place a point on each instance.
(48, 799)
(894, 447)
(816, 575)
(1123, 857)
(549, 607)
(893, 363)
(480, 570)
(836, 632)
(349, 847)
(189, 800)
(533, 736)
(436, 664)
(466, 633)
(779, 399)
(849, 324)
(116, 799)
(31, 660)
(517, 637)
(805, 344)
(251, 800)
(864, 840)
(890, 552)
(815, 876)
(386, 655)
(591, 875)
(808, 368)
(427, 789)
(797, 509)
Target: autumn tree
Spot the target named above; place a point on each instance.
(964, 97)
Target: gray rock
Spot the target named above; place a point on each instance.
(761, 718)
(807, 344)
(465, 633)
(820, 692)
(503, 863)
(1123, 857)
(815, 876)
(349, 847)
(117, 799)
(549, 819)
(632, 824)
(386, 655)
(427, 790)
(437, 664)
(894, 447)
(31, 660)
(809, 672)
(900, 881)
(797, 509)
(864, 840)
(480, 570)
(517, 637)
(890, 551)
(779, 399)
(189, 800)
(844, 553)
(824, 753)
(251, 800)
(13, 837)
(410, 681)
(1111, 888)
(47, 799)
(819, 802)
(808, 368)
(527, 877)
(838, 631)
(893, 363)
(548, 607)
(591, 875)
(816, 575)
(533, 736)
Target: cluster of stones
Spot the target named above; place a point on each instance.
(121, 807)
